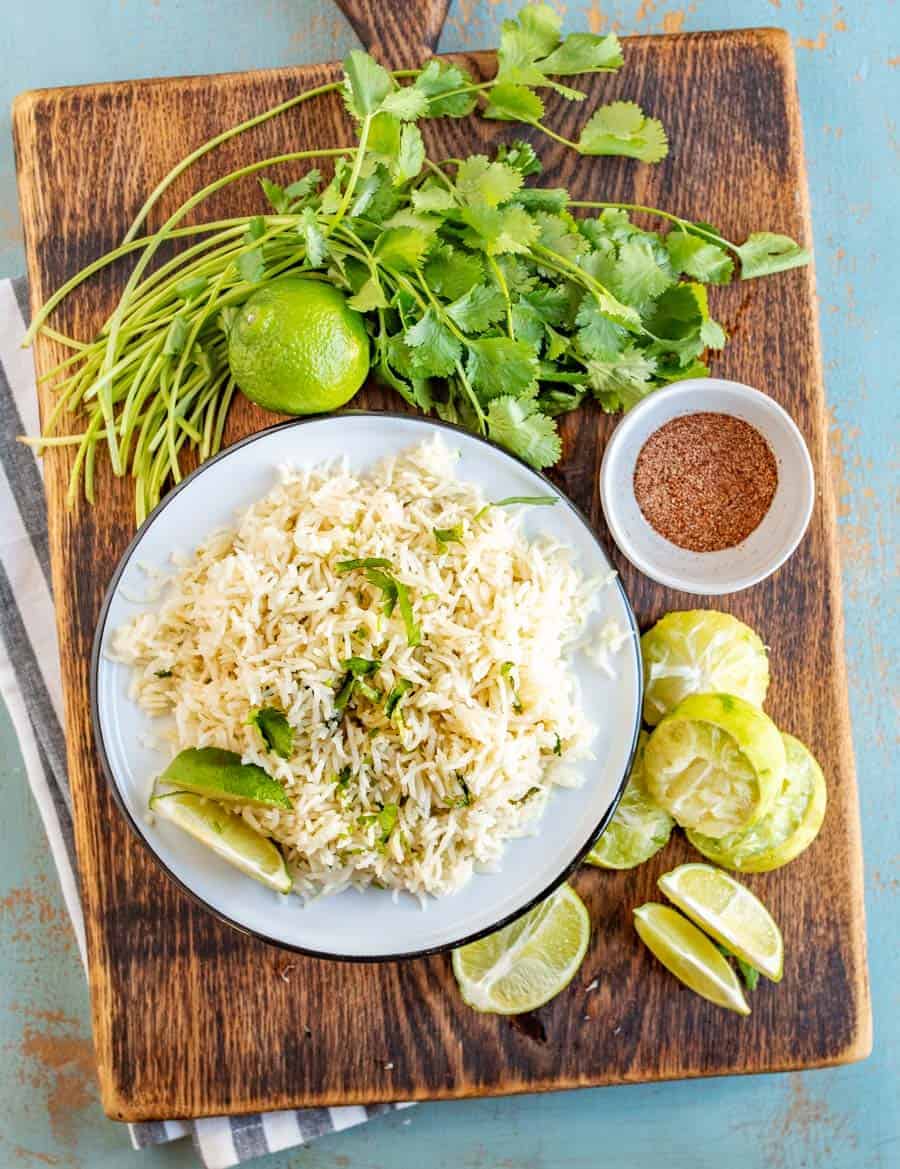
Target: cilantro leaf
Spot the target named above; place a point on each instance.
(520, 156)
(518, 425)
(619, 382)
(584, 52)
(410, 155)
(445, 536)
(401, 248)
(277, 196)
(641, 275)
(361, 667)
(440, 82)
(191, 287)
(397, 692)
(598, 335)
(435, 351)
(476, 309)
(370, 296)
(343, 566)
(499, 366)
(764, 253)
(406, 103)
(277, 733)
(498, 231)
(432, 197)
(301, 189)
(559, 233)
(698, 258)
(452, 272)
(313, 238)
(622, 128)
(366, 84)
(479, 181)
(513, 103)
(251, 266)
(176, 336)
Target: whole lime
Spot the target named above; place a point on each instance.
(296, 348)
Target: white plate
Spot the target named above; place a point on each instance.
(368, 925)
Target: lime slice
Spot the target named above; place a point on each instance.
(228, 835)
(715, 763)
(526, 964)
(689, 955)
(728, 912)
(638, 830)
(789, 826)
(209, 771)
(701, 652)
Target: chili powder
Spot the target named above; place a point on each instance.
(705, 481)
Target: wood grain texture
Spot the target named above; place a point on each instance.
(399, 35)
(191, 1017)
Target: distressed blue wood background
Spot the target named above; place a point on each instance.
(849, 75)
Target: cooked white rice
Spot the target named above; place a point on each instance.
(260, 616)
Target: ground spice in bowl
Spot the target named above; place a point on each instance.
(705, 481)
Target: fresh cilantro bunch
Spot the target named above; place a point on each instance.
(491, 300)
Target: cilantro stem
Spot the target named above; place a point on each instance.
(354, 174)
(163, 185)
(501, 282)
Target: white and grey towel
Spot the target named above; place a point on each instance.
(30, 685)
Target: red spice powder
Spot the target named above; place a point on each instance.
(705, 481)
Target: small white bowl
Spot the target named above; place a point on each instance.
(766, 548)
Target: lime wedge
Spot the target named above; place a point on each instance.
(689, 955)
(729, 912)
(638, 830)
(526, 964)
(790, 825)
(701, 651)
(228, 835)
(209, 771)
(715, 763)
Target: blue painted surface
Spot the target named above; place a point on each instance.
(849, 77)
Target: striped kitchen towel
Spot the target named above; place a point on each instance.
(30, 685)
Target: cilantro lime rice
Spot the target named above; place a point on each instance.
(427, 679)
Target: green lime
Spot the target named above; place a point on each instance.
(701, 652)
(638, 830)
(209, 771)
(526, 964)
(790, 825)
(228, 835)
(715, 763)
(689, 955)
(728, 912)
(296, 348)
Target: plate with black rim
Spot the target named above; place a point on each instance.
(371, 924)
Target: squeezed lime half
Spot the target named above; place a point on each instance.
(701, 651)
(639, 829)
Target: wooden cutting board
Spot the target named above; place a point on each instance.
(193, 1018)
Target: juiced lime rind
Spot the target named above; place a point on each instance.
(715, 763)
(786, 830)
(689, 955)
(227, 835)
(701, 651)
(728, 912)
(639, 828)
(527, 963)
(295, 347)
(220, 775)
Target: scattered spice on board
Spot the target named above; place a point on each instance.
(705, 481)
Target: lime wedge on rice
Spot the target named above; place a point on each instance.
(790, 825)
(701, 652)
(524, 965)
(715, 764)
(728, 912)
(689, 955)
(210, 771)
(228, 835)
(638, 830)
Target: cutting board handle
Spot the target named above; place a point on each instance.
(399, 33)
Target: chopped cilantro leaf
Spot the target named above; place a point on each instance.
(445, 536)
(277, 733)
